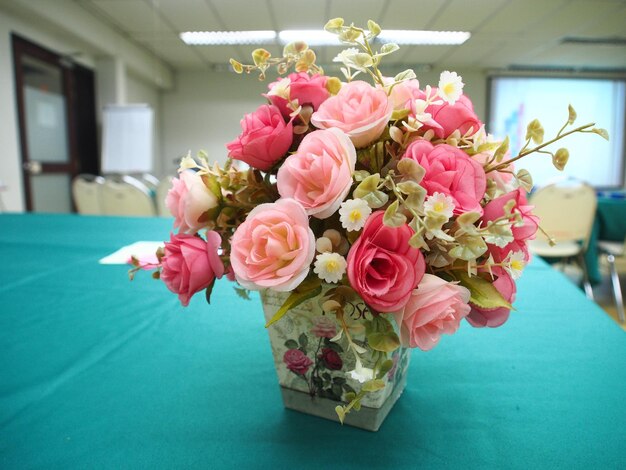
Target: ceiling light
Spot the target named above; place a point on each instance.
(223, 38)
(434, 38)
(313, 37)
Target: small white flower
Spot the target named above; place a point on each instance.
(330, 267)
(439, 203)
(360, 373)
(515, 264)
(281, 88)
(353, 214)
(450, 86)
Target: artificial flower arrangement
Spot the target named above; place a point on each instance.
(386, 203)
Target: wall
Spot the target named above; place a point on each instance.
(203, 110)
(10, 160)
(138, 90)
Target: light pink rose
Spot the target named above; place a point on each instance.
(495, 209)
(265, 138)
(451, 117)
(382, 267)
(319, 174)
(492, 318)
(359, 109)
(188, 200)
(404, 93)
(273, 247)
(191, 264)
(308, 90)
(449, 170)
(434, 308)
(324, 327)
(297, 361)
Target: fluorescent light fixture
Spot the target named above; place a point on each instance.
(313, 37)
(426, 38)
(225, 38)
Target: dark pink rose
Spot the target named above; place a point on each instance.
(382, 267)
(495, 209)
(265, 138)
(309, 90)
(492, 318)
(331, 359)
(191, 264)
(449, 170)
(297, 361)
(451, 117)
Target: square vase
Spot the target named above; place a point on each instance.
(314, 373)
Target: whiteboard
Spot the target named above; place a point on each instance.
(127, 139)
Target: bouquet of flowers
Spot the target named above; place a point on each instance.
(381, 192)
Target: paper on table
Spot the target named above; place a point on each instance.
(144, 250)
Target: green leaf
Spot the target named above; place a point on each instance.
(339, 380)
(483, 294)
(340, 413)
(389, 48)
(560, 158)
(303, 340)
(356, 405)
(407, 74)
(209, 290)
(535, 131)
(384, 341)
(291, 344)
(525, 180)
(243, 293)
(373, 27)
(350, 396)
(601, 132)
(392, 217)
(373, 385)
(334, 25)
(349, 391)
(307, 290)
(572, 114)
(385, 367)
(502, 150)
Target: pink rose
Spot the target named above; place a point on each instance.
(273, 247)
(188, 200)
(191, 264)
(382, 267)
(492, 318)
(308, 90)
(435, 307)
(495, 209)
(319, 174)
(450, 171)
(359, 109)
(404, 93)
(297, 361)
(265, 138)
(324, 327)
(451, 117)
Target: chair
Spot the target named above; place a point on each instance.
(161, 192)
(126, 196)
(566, 212)
(151, 181)
(87, 194)
(614, 250)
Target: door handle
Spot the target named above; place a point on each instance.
(32, 167)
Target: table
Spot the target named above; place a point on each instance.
(610, 225)
(97, 372)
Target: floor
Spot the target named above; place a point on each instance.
(603, 293)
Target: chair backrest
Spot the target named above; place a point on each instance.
(566, 211)
(151, 181)
(161, 192)
(127, 196)
(87, 193)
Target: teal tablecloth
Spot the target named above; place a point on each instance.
(97, 372)
(609, 224)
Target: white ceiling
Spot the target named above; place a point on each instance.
(505, 33)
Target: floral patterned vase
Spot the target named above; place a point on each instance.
(315, 374)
